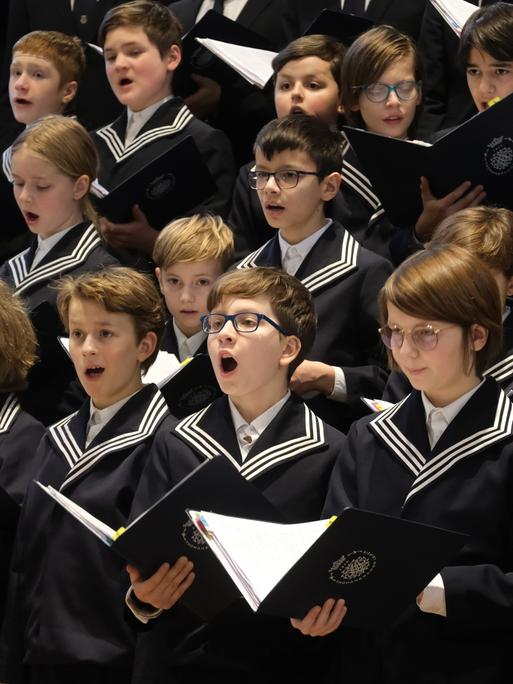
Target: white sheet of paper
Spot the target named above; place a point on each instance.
(455, 12)
(251, 63)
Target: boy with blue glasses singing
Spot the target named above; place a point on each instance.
(260, 326)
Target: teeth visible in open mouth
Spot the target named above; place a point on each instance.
(94, 371)
(228, 363)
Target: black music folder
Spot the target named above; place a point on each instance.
(168, 186)
(164, 531)
(479, 150)
(377, 563)
(342, 26)
(192, 388)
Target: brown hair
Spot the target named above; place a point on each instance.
(157, 21)
(306, 134)
(489, 29)
(291, 302)
(66, 144)
(448, 283)
(367, 58)
(316, 45)
(487, 232)
(194, 238)
(119, 290)
(18, 342)
(64, 52)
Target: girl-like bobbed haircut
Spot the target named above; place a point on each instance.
(18, 342)
(447, 283)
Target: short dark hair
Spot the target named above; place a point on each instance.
(291, 302)
(157, 21)
(316, 45)
(490, 30)
(306, 134)
(118, 289)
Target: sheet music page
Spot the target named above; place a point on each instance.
(251, 63)
(455, 12)
(261, 552)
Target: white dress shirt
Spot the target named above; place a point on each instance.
(248, 433)
(231, 8)
(98, 418)
(437, 420)
(188, 346)
(136, 120)
(44, 245)
(292, 256)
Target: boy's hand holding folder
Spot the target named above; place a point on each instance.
(165, 587)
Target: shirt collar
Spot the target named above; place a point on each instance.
(193, 342)
(46, 244)
(450, 411)
(102, 416)
(262, 421)
(140, 118)
(305, 245)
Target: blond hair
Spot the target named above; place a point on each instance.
(448, 283)
(487, 232)
(194, 238)
(118, 289)
(291, 302)
(64, 52)
(66, 144)
(18, 342)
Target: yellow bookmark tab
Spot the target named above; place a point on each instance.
(331, 520)
(118, 533)
(186, 361)
(493, 101)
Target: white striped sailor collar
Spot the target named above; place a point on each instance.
(135, 421)
(211, 432)
(354, 178)
(402, 428)
(317, 269)
(9, 409)
(7, 163)
(113, 135)
(74, 248)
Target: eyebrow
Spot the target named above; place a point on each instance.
(493, 64)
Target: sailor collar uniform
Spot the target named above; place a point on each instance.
(464, 483)
(76, 250)
(56, 552)
(344, 279)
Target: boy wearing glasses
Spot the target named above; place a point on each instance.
(442, 456)
(260, 326)
(297, 171)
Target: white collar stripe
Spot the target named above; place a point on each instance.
(116, 145)
(153, 416)
(190, 430)
(501, 370)
(7, 163)
(9, 411)
(250, 260)
(267, 459)
(348, 262)
(18, 266)
(87, 244)
(360, 184)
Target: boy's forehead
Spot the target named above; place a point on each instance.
(32, 58)
(310, 65)
(235, 304)
(123, 35)
(294, 159)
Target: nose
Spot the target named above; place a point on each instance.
(408, 348)
(120, 61)
(186, 294)
(21, 81)
(272, 186)
(24, 194)
(227, 333)
(89, 345)
(297, 92)
(486, 86)
(392, 98)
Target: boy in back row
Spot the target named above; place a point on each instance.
(142, 49)
(298, 162)
(260, 326)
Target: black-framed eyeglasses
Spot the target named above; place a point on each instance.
(379, 92)
(423, 337)
(285, 180)
(244, 322)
